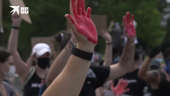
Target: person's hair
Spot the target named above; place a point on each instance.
(4, 54)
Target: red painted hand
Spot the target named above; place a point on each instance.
(82, 20)
(128, 21)
(121, 87)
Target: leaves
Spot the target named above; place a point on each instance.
(48, 18)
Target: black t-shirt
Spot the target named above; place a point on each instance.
(33, 86)
(164, 87)
(135, 84)
(96, 77)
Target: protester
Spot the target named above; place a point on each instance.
(135, 84)
(32, 77)
(156, 78)
(96, 76)
(72, 77)
(78, 70)
(5, 87)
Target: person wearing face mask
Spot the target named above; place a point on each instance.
(38, 73)
(5, 88)
(32, 77)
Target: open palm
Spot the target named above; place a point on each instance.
(82, 20)
(121, 88)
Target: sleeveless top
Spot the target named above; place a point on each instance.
(33, 84)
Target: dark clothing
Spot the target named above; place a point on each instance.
(164, 87)
(96, 77)
(135, 84)
(33, 86)
(9, 89)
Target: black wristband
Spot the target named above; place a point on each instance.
(15, 27)
(82, 54)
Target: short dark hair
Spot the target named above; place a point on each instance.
(4, 54)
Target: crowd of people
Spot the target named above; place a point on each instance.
(78, 70)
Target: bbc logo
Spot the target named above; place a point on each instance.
(24, 10)
(19, 10)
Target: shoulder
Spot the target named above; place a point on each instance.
(9, 88)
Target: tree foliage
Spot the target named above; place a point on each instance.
(48, 18)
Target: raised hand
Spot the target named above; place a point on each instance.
(81, 20)
(128, 22)
(106, 35)
(121, 88)
(16, 20)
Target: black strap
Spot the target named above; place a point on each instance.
(82, 54)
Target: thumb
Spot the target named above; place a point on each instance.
(72, 23)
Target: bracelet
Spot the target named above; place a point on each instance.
(15, 27)
(82, 54)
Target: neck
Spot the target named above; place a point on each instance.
(41, 72)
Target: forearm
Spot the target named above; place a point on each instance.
(127, 58)
(108, 55)
(144, 68)
(71, 79)
(21, 67)
(59, 63)
(13, 40)
(29, 61)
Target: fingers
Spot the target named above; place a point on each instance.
(79, 7)
(132, 18)
(71, 19)
(83, 7)
(74, 8)
(128, 17)
(74, 25)
(89, 12)
(71, 8)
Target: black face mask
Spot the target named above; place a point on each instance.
(44, 63)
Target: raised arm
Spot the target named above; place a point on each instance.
(21, 67)
(108, 49)
(59, 63)
(144, 71)
(71, 79)
(126, 63)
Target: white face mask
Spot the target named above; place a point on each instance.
(12, 69)
(160, 59)
(11, 73)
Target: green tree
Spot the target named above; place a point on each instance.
(48, 18)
